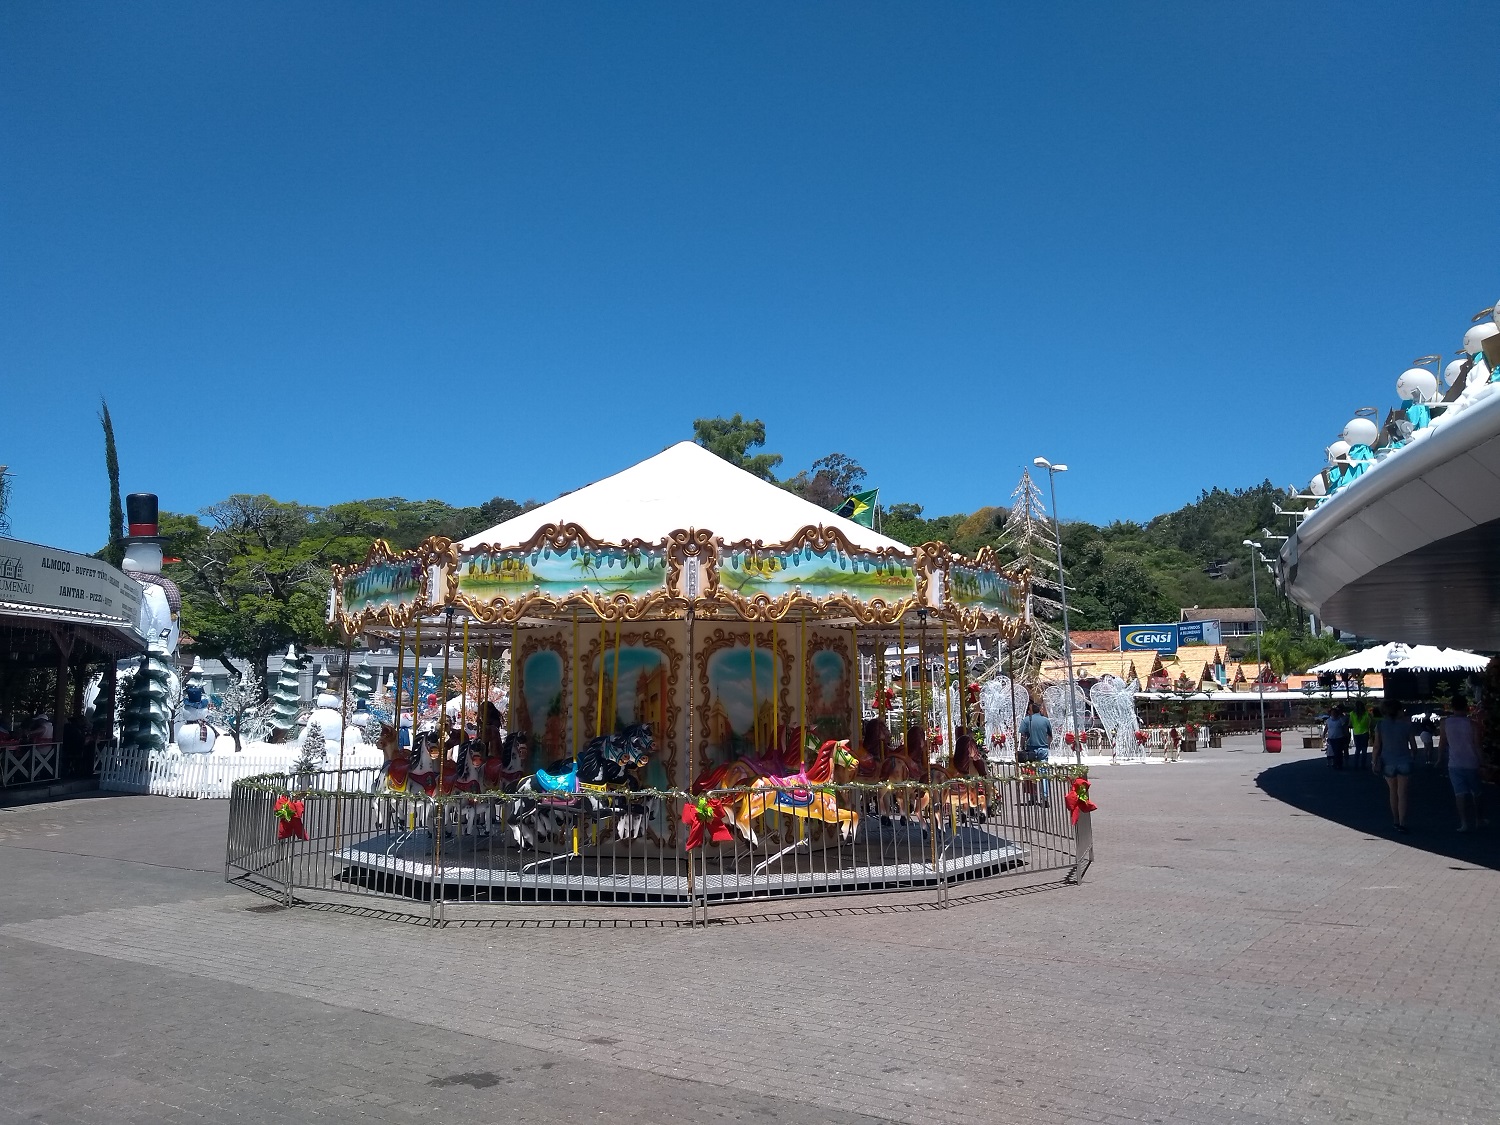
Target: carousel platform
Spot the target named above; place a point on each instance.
(881, 857)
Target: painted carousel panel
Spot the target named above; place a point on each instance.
(983, 588)
(382, 585)
(496, 574)
(819, 573)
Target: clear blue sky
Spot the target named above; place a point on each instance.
(329, 251)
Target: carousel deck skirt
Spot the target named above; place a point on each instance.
(882, 857)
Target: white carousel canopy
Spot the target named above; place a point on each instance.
(1397, 657)
(682, 486)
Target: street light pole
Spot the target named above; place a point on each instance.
(1260, 668)
(1062, 587)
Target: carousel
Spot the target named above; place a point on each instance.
(668, 684)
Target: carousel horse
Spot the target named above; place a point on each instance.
(469, 779)
(549, 800)
(965, 801)
(745, 771)
(803, 795)
(506, 760)
(898, 771)
(425, 769)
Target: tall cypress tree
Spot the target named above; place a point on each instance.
(114, 553)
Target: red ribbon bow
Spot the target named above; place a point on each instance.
(706, 816)
(289, 819)
(1077, 798)
(1140, 736)
(1070, 738)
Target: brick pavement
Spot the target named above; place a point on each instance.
(1230, 958)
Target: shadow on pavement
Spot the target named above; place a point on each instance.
(1357, 799)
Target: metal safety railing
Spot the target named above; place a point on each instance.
(434, 853)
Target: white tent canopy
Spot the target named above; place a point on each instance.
(682, 486)
(1397, 657)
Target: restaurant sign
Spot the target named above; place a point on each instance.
(46, 578)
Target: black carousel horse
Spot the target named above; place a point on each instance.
(599, 781)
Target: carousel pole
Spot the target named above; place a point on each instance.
(344, 707)
(948, 687)
(416, 681)
(510, 688)
(963, 685)
(692, 765)
(1015, 723)
(923, 672)
(484, 685)
(614, 684)
(400, 676)
(775, 685)
(574, 693)
(859, 694)
(802, 705)
(463, 675)
(338, 804)
(905, 712)
(754, 699)
(443, 696)
(599, 696)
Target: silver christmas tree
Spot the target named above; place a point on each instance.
(1030, 537)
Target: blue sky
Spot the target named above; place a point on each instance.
(329, 251)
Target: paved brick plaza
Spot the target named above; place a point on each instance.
(1234, 956)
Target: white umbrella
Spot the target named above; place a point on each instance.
(1430, 658)
(1396, 657)
(1378, 659)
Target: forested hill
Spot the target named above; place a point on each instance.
(1127, 572)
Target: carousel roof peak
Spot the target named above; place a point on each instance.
(683, 486)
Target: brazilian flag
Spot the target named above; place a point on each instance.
(860, 508)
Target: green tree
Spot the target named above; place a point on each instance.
(831, 481)
(114, 552)
(733, 438)
(1293, 651)
(254, 575)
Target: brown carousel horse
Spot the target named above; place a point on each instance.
(898, 769)
(967, 762)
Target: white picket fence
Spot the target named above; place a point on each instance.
(204, 776)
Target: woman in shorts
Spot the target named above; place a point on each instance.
(1463, 765)
(1393, 747)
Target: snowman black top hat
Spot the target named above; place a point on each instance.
(141, 518)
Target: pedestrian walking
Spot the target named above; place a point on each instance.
(1036, 745)
(1336, 736)
(1458, 741)
(1360, 722)
(1394, 743)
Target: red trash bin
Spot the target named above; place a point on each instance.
(1273, 742)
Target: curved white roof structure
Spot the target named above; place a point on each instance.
(681, 487)
(1408, 546)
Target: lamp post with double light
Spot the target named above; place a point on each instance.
(1260, 668)
(1062, 588)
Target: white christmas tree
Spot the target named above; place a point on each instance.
(314, 751)
(1031, 538)
(242, 710)
(320, 685)
(286, 698)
